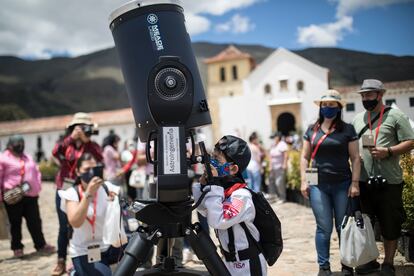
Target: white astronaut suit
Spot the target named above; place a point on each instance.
(224, 214)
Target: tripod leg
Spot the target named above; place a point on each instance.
(206, 251)
(135, 254)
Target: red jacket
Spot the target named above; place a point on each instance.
(67, 154)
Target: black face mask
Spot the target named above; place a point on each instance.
(18, 148)
(87, 176)
(370, 104)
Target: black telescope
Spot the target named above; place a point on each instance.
(163, 85)
(168, 101)
(160, 71)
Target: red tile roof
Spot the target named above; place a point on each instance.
(396, 85)
(230, 53)
(56, 123)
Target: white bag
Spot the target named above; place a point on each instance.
(114, 232)
(138, 178)
(358, 245)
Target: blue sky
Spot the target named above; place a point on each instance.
(387, 29)
(44, 29)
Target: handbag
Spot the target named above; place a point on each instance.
(114, 231)
(357, 245)
(13, 196)
(138, 178)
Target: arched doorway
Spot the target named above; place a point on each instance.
(286, 123)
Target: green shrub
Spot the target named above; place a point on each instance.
(407, 163)
(293, 174)
(48, 169)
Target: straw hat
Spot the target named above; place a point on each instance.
(371, 85)
(331, 96)
(81, 118)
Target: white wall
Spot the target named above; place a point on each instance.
(402, 101)
(253, 111)
(49, 139)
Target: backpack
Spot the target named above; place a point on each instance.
(269, 227)
(267, 223)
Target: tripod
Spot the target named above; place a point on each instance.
(168, 221)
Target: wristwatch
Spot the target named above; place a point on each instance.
(389, 152)
(87, 195)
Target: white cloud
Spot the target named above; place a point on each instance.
(39, 28)
(237, 24)
(324, 35)
(349, 7)
(329, 34)
(215, 7)
(196, 24)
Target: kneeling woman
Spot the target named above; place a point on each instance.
(85, 205)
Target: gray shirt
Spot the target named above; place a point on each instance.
(395, 128)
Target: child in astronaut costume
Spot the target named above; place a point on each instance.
(229, 208)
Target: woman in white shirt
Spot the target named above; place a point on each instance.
(85, 205)
(278, 164)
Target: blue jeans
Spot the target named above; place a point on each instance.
(328, 201)
(63, 240)
(254, 180)
(84, 268)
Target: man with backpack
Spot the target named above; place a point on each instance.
(230, 209)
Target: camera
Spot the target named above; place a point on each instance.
(25, 187)
(376, 182)
(89, 130)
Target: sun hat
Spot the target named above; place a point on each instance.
(371, 85)
(81, 118)
(331, 96)
(235, 149)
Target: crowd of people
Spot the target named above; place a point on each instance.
(339, 161)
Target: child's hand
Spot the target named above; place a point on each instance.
(203, 178)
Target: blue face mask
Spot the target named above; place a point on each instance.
(222, 169)
(329, 112)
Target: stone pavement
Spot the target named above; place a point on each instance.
(298, 257)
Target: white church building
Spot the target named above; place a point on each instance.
(277, 95)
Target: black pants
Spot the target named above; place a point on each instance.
(29, 209)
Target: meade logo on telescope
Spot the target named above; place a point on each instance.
(152, 18)
(171, 150)
(155, 32)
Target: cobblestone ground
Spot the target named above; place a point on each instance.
(298, 257)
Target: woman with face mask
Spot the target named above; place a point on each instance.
(85, 205)
(18, 169)
(327, 177)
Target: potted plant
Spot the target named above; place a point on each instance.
(293, 193)
(48, 169)
(407, 243)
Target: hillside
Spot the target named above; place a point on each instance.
(94, 82)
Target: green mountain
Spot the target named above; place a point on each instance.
(94, 82)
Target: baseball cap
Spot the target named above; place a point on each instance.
(235, 149)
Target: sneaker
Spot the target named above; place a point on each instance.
(187, 255)
(367, 268)
(387, 270)
(324, 271)
(347, 271)
(47, 249)
(18, 253)
(60, 268)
